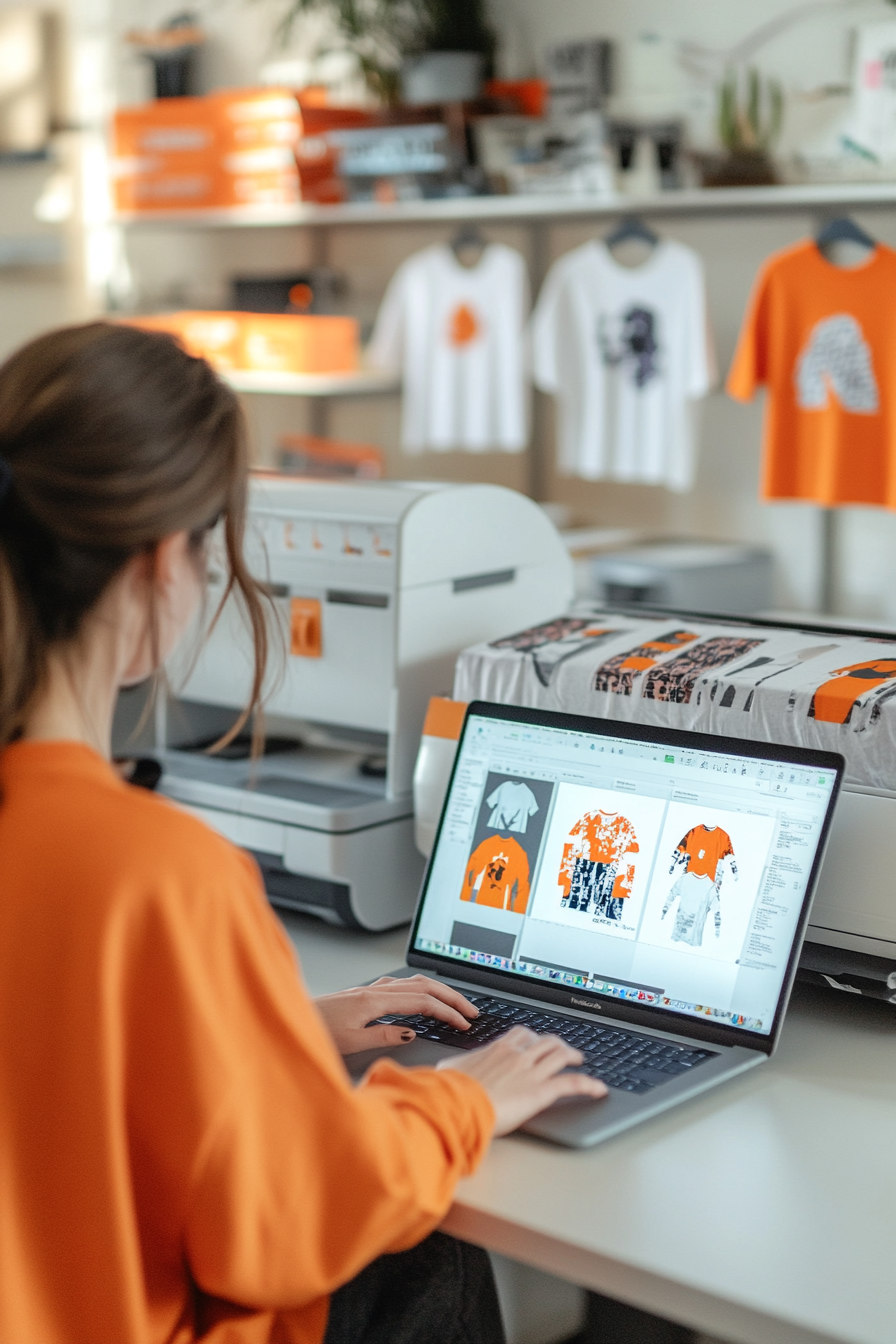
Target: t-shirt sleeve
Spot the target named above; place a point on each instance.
(298, 1179)
(386, 349)
(749, 368)
(702, 370)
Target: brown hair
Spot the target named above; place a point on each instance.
(111, 439)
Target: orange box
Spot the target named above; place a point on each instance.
(278, 343)
(226, 149)
(263, 342)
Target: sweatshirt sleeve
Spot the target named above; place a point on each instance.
(301, 1180)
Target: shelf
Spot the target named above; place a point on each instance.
(362, 383)
(721, 200)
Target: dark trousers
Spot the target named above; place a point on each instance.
(441, 1292)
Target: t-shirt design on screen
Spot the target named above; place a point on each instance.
(512, 805)
(555, 642)
(674, 681)
(498, 875)
(618, 674)
(594, 876)
(701, 853)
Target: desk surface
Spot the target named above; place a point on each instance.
(763, 1212)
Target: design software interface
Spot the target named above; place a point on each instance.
(672, 878)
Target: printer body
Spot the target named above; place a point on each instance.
(373, 589)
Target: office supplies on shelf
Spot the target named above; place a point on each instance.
(375, 588)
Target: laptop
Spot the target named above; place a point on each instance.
(641, 892)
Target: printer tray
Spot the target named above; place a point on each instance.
(306, 895)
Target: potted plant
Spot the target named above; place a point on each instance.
(750, 112)
(425, 50)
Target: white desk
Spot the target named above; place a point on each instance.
(763, 1213)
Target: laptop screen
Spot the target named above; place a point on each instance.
(664, 870)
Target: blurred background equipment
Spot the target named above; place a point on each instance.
(687, 575)
(329, 459)
(31, 79)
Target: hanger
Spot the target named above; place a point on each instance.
(631, 229)
(842, 230)
(468, 239)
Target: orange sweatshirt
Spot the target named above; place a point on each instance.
(182, 1155)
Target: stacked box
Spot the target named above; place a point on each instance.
(264, 342)
(227, 149)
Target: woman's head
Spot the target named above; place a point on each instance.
(113, 442)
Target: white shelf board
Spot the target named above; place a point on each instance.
(362, 383)
(716, 200)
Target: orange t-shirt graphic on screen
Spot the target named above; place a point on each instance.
(704, 847)
(498, 875)
(595, 869)
(465, 326)
(822, 339)
(833, 702)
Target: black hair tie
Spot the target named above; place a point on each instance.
(5, 478)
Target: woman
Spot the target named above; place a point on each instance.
(181, 1153)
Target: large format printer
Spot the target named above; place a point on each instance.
(374, 589)
(808, 685)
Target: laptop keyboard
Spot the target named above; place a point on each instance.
(625, 1060)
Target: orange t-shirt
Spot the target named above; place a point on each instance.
(182, 1155)
(498, 874)
(705, 848)
(823, 340)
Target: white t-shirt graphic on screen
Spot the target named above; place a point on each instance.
(457, 336)
(626, 352)
(513, 805)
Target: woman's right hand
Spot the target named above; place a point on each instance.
(522, 1073)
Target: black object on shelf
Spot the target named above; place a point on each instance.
(317, 290)
(171, 50)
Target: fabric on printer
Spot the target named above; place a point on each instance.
(833, 692)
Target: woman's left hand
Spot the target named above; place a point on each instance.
(348, 1013)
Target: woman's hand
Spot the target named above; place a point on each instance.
(348, 1013)
(523, 1074)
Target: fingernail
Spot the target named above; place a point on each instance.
(408, 1035)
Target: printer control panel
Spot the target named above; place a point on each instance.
(330, 540)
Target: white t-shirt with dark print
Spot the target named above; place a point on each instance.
(626, 351)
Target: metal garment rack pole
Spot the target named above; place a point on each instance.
(828, 539)
(539, 456)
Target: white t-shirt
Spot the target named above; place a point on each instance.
(457, 336)
(513, 805)
(626, 352)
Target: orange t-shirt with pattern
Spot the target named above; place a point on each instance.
(822, 339)
(704, 849)
(183, 1155)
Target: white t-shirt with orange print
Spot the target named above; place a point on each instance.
(456, 335)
